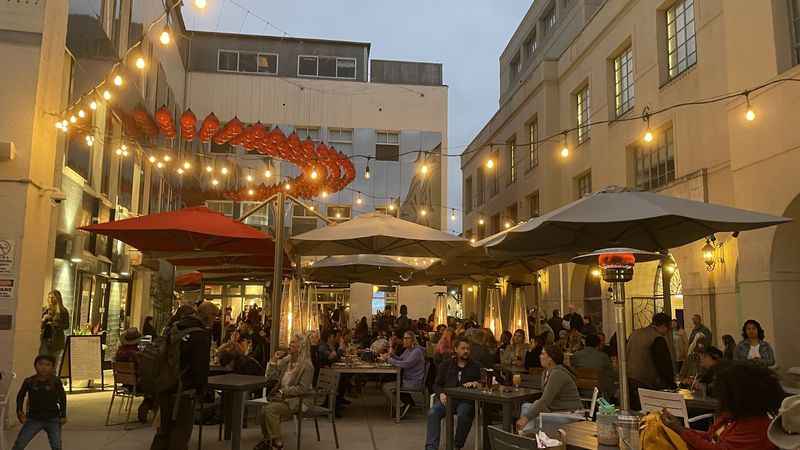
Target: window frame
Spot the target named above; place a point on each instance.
(623, 82)
(531, 44)
(385, 144)
(533, 146)
(511, 148)
(582, 115)
(664, 139)
(676, 69)
(549, 20)
(336, 62)
(239, 60)
(529, 199)
(580, 183)
(468, 194)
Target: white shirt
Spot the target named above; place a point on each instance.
(753, 353)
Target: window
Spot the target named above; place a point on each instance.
(468, 195)
(326, 67)
(515, 67)
(341, 139)
(681, 44)
(533, 205)
(307, 133)
(511, 145)
(303, 220)
(385, 210)
(224, 207)
(794, 10)
(655, 162)
(512, 214)
(228, 61)
(481, 192)
(125, 185)
(259, 218)
(549, 20)
(267, 63)
(387, 146)
(530, 45)
(582, 103)
(247, 62)
(623, 82)
(339, 213)
(584, 183)
(533, 146)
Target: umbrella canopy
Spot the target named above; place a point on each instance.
(189, 280)
(374, 269)
(261, 262)
(376, 234)
(195, 230)
(616, 217)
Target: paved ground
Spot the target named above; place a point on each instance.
(366, 426)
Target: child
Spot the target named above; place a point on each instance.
(47, 405)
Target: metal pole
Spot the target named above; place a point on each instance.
(666, 282)
(277, 273)
(622, 359)
(561, 286)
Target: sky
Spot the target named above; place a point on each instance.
(466, 36)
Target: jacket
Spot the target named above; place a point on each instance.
(195, 354)
(649, 360)
(447, 375)
(654, 435)
(412, 361)
(301, 383)
(559, 393)
(52, 333)
(46, 398)
(764, 350)
(707, 341)
(743, 434)
(680, 343)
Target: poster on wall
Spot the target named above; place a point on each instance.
(7, 288)
(7, 247)
(83, 359)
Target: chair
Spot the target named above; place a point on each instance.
(502, 440)
(6, 378)
(124, 387)
(671, 401)
(578, 415)
(327, 387)
(422, 391)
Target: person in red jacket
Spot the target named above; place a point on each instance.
(747, 393)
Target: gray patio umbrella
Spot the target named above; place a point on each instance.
(374, 269)
(376, 234)
(618, 217)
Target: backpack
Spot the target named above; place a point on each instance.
(159, 362)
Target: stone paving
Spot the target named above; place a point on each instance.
(365, 426)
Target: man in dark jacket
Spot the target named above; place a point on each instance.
(459, 371)
(403, 322)
(649, 359)
(194, 365)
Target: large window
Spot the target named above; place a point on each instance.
(681, 43)
(530, 45)
(584, 183)
(326, 67)
(512, 214)
(533, 146)
(307, 133)
(582, 116)
(468, 195)
(533, 205)
(247, 62)
(623, 82)
(515, 67)
(341, 139)
(511, 146)
(224, 207)
(495, 224)
(549, 20)
(387, 146)
(655, 162)
(481, 188)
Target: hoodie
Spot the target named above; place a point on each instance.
(559, 393)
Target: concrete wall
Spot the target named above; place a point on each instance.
(405, 72)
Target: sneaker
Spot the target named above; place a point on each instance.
(404, 410)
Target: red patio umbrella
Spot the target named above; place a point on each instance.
(190, 279)
(189, 231)
(256, 262)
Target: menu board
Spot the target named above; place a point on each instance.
(83, 358)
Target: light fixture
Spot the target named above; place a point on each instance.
(215, 182)
(159, 164)
(118, 152)
(249, 178)
(107, 95)
(648, 136)
(140, 64)
(391, 206)
(311, 207)
(187, 165)
(564, 147)
(423, 169)
(58, 125)
(708, 254)
(287, 186)
(750, 115)
(73, 119)
(200, 4)
(180, 171)
(152, 159)
(423, 212)
(123, 146)
(596, 272)
(507, 225)
(366, 172)
(324, 194)
(453, 292)
(338, 215)
(165, 37)
(358, 199)
(249, 192)
(471, 240)
(93, 105)
(490, 163)
(124, 152)
(469, 288)
(81, 113)
(481, 221)
(268, 173)
(224, 170)
(453, 215)
(314, 173)
(118, 80)
(167, 158)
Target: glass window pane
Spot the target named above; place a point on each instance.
(268, 63)
(346, 68)
(228, 61)
(327, 66)
(307, 66)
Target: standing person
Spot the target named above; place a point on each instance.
(148, 328)
(47, 405)
(592, 357)
(729, 350)
(559, 391)
(412, 361)
(753, 345)
(361, 334)
(403, 322)
(514, 353)
(175, 428)
(747, 394)
(649, 359)
(555, 323)
(694, 340)
(295, 375)
(55, 321)
(680, 343)
(459, 371)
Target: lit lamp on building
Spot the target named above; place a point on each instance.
(708, 255)
(616, 267)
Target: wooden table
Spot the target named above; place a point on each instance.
(508, 398)
(234, 388)
(584, 435)
(374, 369)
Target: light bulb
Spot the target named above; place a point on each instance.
(140, 63)
(201, 4)
(391, 206)
(424, 169)
(338, 215)
(152, 159)
(507, 225)
(358, 200)
(58, 125)
(249, 192)
(423, 212)
(596, 273)
(167, 158)
(314, 173)
(215, 182)
(118, 152)
(565, 152)
(81, 113)
(209, 169)
(180, 171)
(123, 146)
(224, 170)
(107, 95)
(73, 119)
(93, 105)
(117, 80)
(750, 115)
(311, 207)
(187, 165)
(480, 221)
(249, 178)
(287, 186)
(453, 216)
(159, 164)
(64, 124)
(366, 173)
(648, 136)
(124, 153)
(268, 173)
(165, 37)
(324, 194)
(471, 241)
(489, 163)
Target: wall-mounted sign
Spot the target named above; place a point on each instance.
(7, 288)
(7, 247)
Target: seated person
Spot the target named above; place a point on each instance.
(532, 356)
(747, 394)
(559, 391)
(592, 357)
(513, 356)
(126, 352)
(296, 375)
(381, 343)
(329, 351)
(412, 361)
(711, 362)
(459, 371)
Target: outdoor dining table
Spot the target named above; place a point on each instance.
(365, 368)
(234, 389)
(699, 402)
(508, 398)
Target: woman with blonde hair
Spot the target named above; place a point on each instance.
(514, 353)
(295, 374)
(55, 321)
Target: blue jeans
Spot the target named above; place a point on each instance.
(32, 427)
(465, 412)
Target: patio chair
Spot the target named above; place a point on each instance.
(422, 391)
(6, 378)
(671, 401)
(327, 388)
(502, 440)
(125, 388)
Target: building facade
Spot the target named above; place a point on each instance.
(572, 63)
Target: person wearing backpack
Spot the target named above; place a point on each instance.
(175, 370)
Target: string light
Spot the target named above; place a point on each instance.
(152, 159)
(73, 119)
(165, 37)
(366, 172)
(471, 241)
(187, 165)
(324, 194)
(311, 207)
(180, 171)
(124, 152)
(201, 4)
(118, 80)
(750, 115)
(453, 215)
(249, 192)
(167, 158)
(267, 173)
(490, 163)
(564, 148)
(481, 221)
(118, 152)
(391, 206)
(140, 64)
(58, 125)
(423, 169)
(159, 164)
(314, 173)
(423, 212)
(93, 105)
(358, 199)
(209, 169)
(215, 182)
(249, 178)
(107, 95)
(224, 170)
(81, 113)
(648, 134)
(287, 186)
(338, 215)
(507, 225)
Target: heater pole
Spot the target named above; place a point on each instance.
(622, 359)
(277, 274)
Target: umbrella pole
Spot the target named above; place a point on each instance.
(277, 274)
(622, 359)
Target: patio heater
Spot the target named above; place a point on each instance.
(616, 265)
